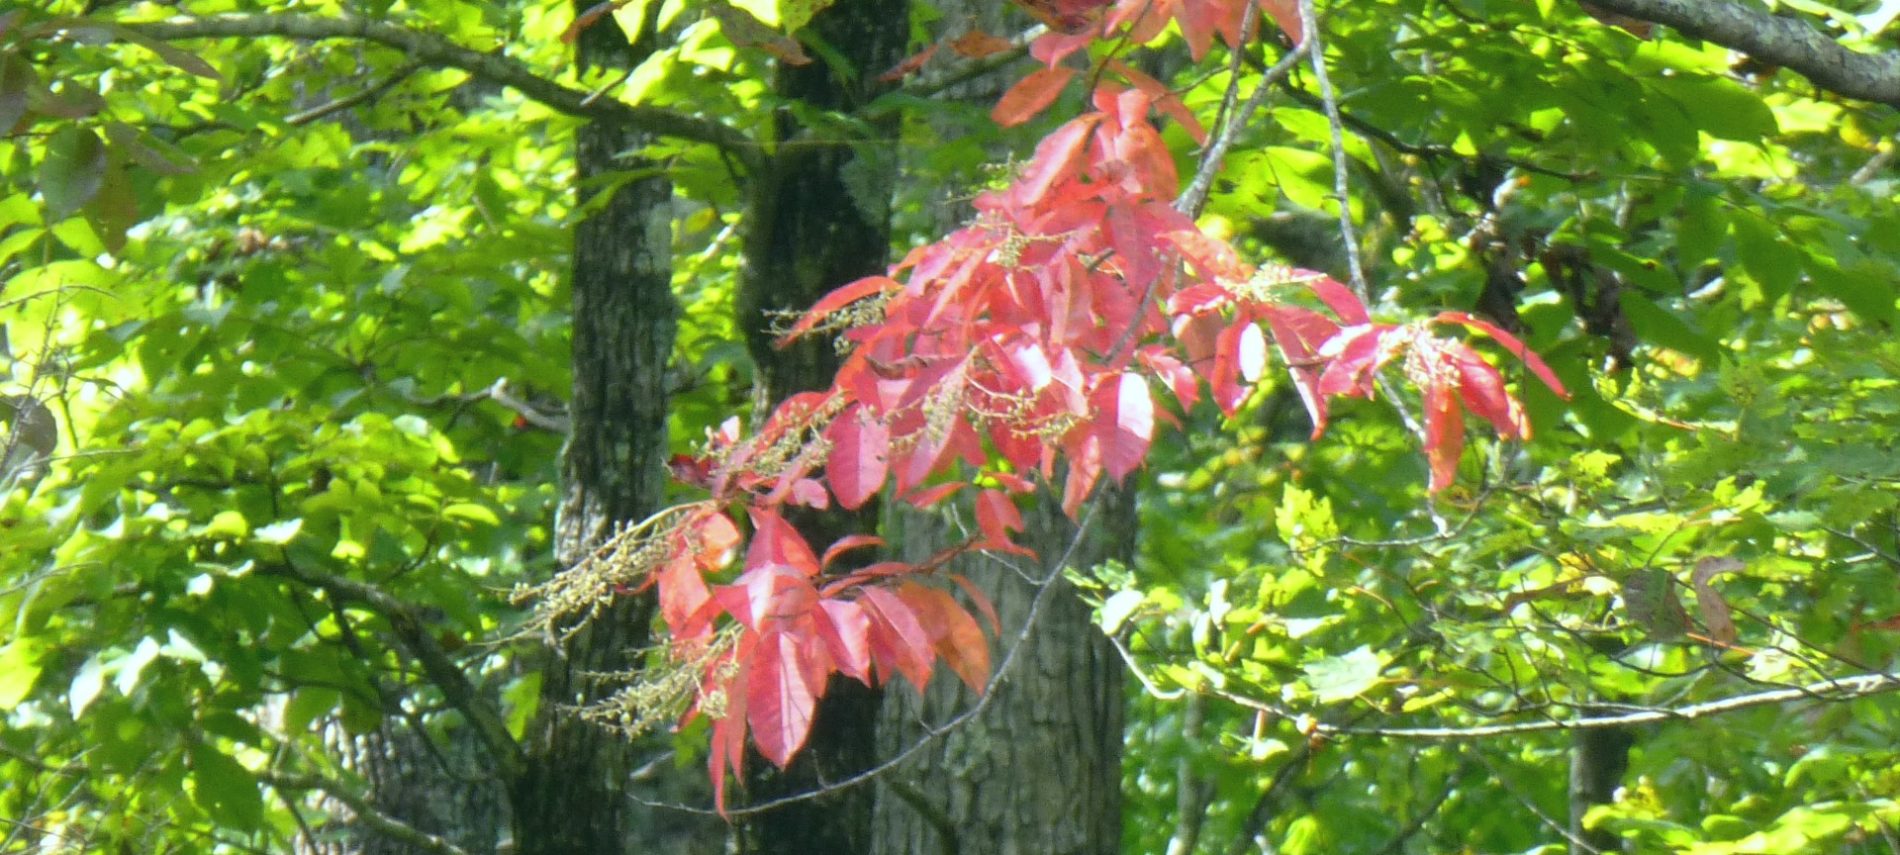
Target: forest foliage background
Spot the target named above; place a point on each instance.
(297, 329)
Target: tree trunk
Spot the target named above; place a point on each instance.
(1599, 757)
(1038, 772)
(570, 797)
(817, 218)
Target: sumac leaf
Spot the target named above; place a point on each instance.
(1031, 95)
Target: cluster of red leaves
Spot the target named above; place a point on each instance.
(1034, 336)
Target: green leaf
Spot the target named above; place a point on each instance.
(16, 82)
(470, 512)
(19, 670)
(1117, 608)
(73, 171)
(1344, 677)
(278, 533)
(86, 686)
(224, 788)
(132, 668)
(227, 524)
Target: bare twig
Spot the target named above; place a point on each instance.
(1316, 51)
(368, 94)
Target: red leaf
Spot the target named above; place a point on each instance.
(1057, 157)
(898, 641)
(728, 733)
(776, 543)
(982, 602)
(1126, 413)
(1357, 352)
(839, 298)
(1286, 13)
(780, 696)
(845, 630)
(1444, 435)
(997, 517)
(1482, 388)
(1300, 334)
(1516, 348)
(977, 44)
(1213, 259)
(954, 634)
(1339, 298)
(1164, 99)
(1031, 95)
(859, 459)
(846, 544)
(931, 495)
(909, 66)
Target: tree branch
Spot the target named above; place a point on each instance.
(430, 49)
(1845, 688)
(396, 830)
(408, 627)
(1786, 42)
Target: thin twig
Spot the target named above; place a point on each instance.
(1194, 198)
(345, 103)
(1845, 688)
(1309, 28)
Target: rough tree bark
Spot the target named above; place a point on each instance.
(818, 216)
(1038, 772)
(570, 796)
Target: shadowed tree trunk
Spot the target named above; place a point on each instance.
(817, 218)
(570, 797)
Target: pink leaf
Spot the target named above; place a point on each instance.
(898, 641)
(839, 298)
(1512, 344)
(859, 459)
(1031, 95)
(1057, 158)
(776, 543)
(954, 634)
(846, 544)
(845, 629)
(1127, 418)
(780, 698)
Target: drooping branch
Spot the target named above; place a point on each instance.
(433, 50)
(409, 630)
(388, 826)
(1786, 42)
